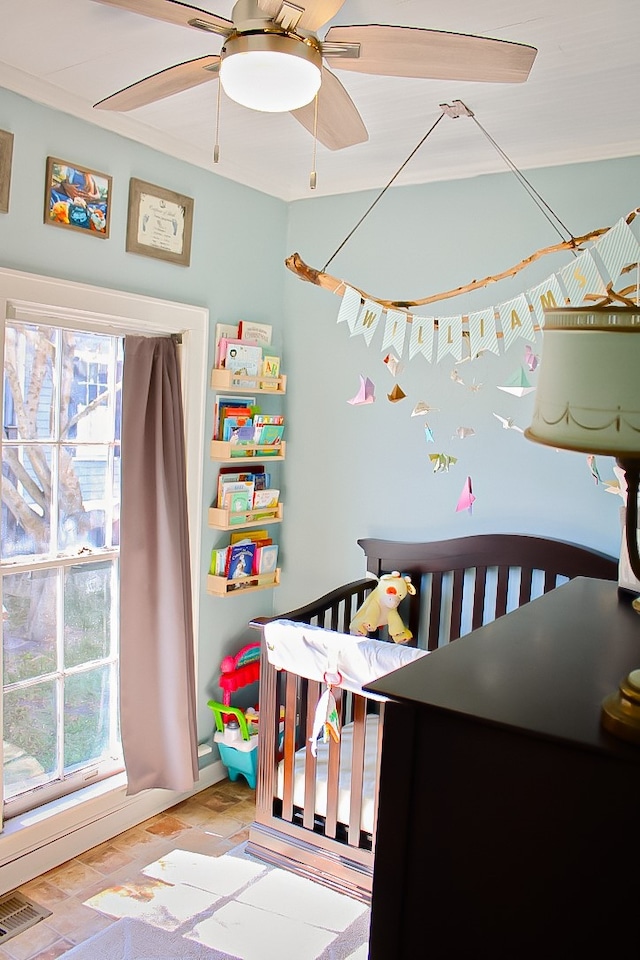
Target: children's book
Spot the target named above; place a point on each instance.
(239, 503)
(243, 359)
(269, 433)
(271, 368)
(240, 560)
(232, 487)
(265, 498)
(224, 331)
(267, 559)
(218, 561)
(237, 428)
(257, 536)
(255, 331)
(237, 402)
(256, 475)
(227, 342)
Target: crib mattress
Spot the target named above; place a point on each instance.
(344, 782)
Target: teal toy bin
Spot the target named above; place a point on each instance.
(238, 751)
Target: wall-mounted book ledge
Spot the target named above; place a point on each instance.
(228, 380)
(246, 452)
(221, 587)
(224, 519)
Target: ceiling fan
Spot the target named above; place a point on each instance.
(272, 59)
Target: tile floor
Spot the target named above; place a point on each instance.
(210, 823)
(185, 872)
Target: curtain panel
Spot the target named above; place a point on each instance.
(157, 666)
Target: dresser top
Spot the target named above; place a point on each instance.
(543, 669)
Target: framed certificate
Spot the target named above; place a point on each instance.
(159, 223)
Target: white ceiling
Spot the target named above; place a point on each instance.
(581, 102)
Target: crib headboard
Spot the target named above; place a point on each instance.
(467, 581)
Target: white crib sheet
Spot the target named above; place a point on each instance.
(344, 780)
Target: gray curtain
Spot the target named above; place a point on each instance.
(157, 670)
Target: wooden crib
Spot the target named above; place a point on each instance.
(317, 817)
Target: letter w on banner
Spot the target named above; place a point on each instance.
(367, 320)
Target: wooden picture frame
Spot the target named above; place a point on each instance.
(159, 223)
(6, 154)
(77, 198)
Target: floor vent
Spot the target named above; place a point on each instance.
(18, 913)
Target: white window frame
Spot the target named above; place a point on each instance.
(32, 298)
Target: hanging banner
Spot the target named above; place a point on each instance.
(349, 308)
(546, 295)
(449, 337)
(422, 335)
(515, 319)
(394, 331)
(582, 277)
(618, 248)
(482, 332)
(367, 320)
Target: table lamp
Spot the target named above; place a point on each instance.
(588, 400)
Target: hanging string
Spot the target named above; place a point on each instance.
(313, 179)
(216, 146)
(382, 192)
(533, 193)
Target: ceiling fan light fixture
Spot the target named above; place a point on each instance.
(274, 73)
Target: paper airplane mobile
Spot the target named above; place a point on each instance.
(366, 393)
(518, 384)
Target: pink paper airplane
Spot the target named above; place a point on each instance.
(466, 497)
(366, 393)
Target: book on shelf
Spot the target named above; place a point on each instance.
(218, 561)
(256, 475)
(265, 498)
(224, 403)
(225, 345)
(268, 434)
(243, 360)
(239, 503)
(266, 560)
(240, 559)
(259, 537)
(231, 487)
(271, 368)
(248, 330)
(224, 331)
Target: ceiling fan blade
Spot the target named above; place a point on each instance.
(339, 123)
(175, 79)
(432, 54)
(315, 12)
(173, 11)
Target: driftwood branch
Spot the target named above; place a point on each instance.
(297, 265)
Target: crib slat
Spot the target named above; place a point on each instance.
(502, 587)
(479, 590)
(289, 745)
(357, 770)
(526, 574)
(333, 773)
(308, 816)
(434, 611)
(456, 604)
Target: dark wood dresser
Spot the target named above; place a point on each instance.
(508, 818)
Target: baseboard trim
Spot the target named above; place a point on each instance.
(45, 838)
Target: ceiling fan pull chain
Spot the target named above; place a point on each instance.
(216, 146)
(313, 179)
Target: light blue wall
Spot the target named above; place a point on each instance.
(236, 271)
(362, 471)
(350, 471)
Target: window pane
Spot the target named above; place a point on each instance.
(29, 737)
(117, 479)
(29, 371)
(87, 613)
(26, 500)
(87, 707)
(29, 632)
(84, 490)
(86, 395)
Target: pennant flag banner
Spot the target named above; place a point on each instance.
(422, 335)
(618, 248)
(349, 308)
(367, 320)
(394, 331)
(584, 280)
(450, 337)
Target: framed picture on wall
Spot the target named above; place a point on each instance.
(6, 153)
(76, 198)
(159, 223)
